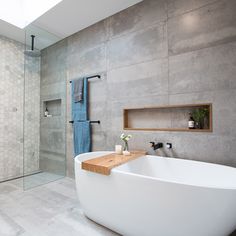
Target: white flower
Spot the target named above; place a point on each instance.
(125, 138)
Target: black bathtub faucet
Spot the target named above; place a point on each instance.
(156, 146)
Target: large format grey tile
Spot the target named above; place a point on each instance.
(203, 70)
(47, 210)
(144, 79)
(91, 62)
(224, 108)
(9, 227)
(116, 109)
(88, 38)
(207, 26)
(148, 44)
(178, 7)
(53, 63)
(139, 16)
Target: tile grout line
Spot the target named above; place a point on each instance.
(195, 9)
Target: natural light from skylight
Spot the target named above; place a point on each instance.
(23, 12)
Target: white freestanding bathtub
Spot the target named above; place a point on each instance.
(159, 196)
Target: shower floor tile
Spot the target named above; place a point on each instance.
(42, 178)
(48, 210)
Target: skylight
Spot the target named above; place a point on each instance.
(22, 12)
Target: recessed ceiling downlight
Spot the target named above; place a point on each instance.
(22, 12)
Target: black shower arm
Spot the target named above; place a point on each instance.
(32, 42)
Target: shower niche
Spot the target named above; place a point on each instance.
(53, 107)
(169, 118)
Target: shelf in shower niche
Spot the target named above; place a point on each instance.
(53, 106)
(104, 164)
(166, 118)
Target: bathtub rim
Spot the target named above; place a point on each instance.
(116, 170)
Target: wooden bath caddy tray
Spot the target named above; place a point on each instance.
(104, 164)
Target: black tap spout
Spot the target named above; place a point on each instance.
(156, 146)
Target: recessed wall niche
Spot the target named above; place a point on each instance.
(53, 107)
(169, 118)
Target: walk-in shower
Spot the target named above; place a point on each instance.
(32, 145)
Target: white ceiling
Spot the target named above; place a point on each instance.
(66, 18)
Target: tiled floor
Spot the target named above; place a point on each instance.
(41, 178)
(49, 210)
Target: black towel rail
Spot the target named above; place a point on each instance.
(93, 76)
(91, 122)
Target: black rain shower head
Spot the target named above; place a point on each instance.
(32, 52)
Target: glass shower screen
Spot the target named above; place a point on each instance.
(44, 148)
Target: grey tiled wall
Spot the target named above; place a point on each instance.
(53, 93)
(19, 103)
(158, 52)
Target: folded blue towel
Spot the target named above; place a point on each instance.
(80, 109)
(82, 137)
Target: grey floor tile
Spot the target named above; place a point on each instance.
(51, 209)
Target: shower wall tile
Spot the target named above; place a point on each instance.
(211, 25)
(53, 63)
(19, 104)
(149, 59)
(52, 129)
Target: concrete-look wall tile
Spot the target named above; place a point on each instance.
(207, 26)
(91, 62)
(99, 140)
(178, 7)
(53, 89)
(88, 38)
(148, 44)
(202, 147)
(53, 63)
(69, 152)
(203, 70)
(98, 89)
(224, 108)
(115, 115)
(139, 16)
(144, 79)
(134, 55)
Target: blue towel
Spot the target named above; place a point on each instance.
(80, 109)
(82, 137)
(82, 130)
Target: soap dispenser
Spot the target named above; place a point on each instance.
(46, 112)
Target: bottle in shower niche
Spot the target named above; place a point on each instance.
(46, 112)
(191, 122)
